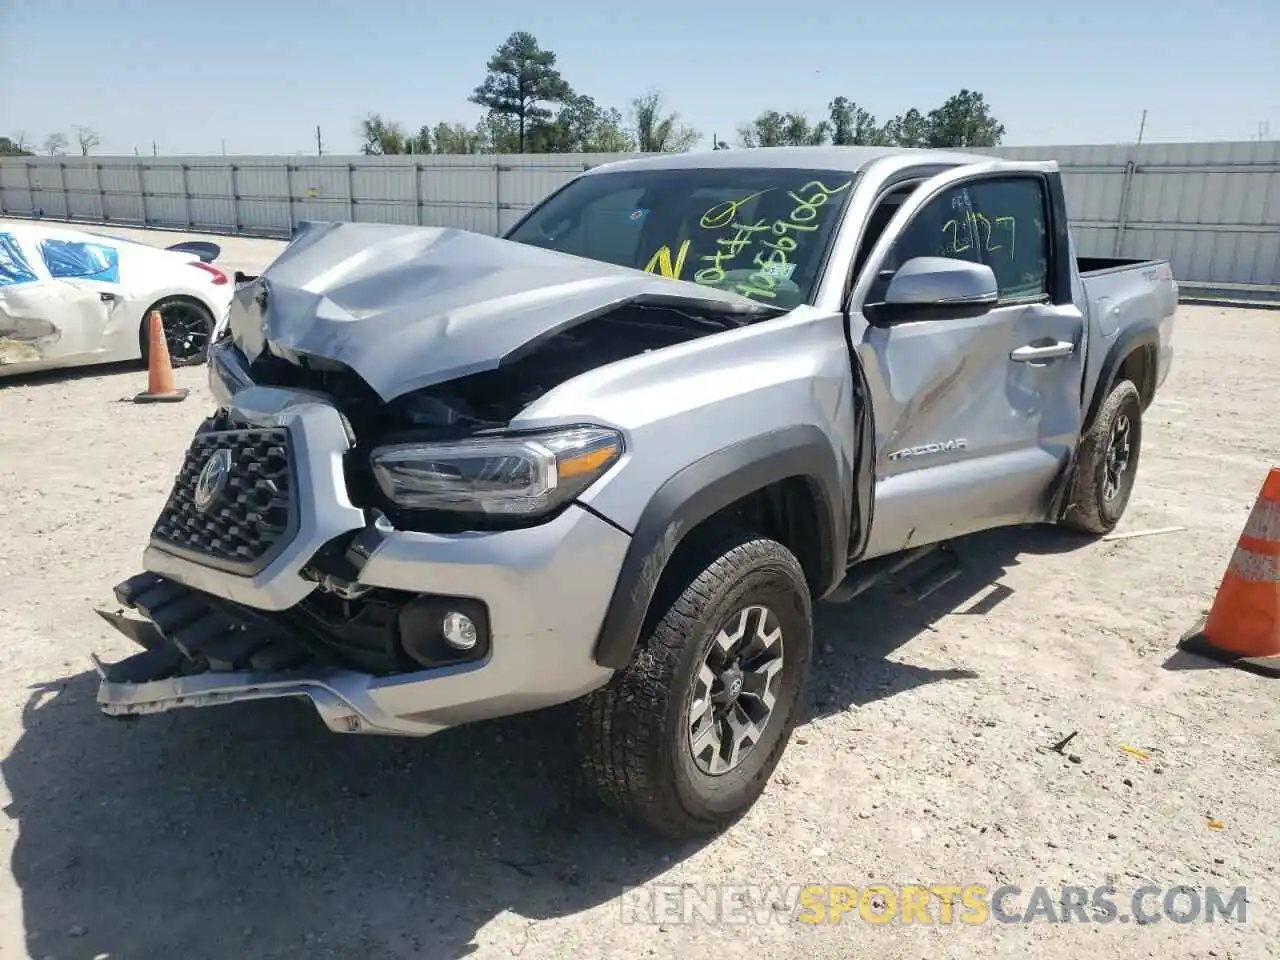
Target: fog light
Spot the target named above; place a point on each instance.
(458, 630)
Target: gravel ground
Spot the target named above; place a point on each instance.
(252, 832)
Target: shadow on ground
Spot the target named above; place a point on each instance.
(70, 374)
(252, 832)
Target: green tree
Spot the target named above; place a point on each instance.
(522, 78)
(657, 131)
(420, 142)
(852, 125)
(774, 129)
(454, 138)
(910, 129)
(14, 147)
(964, 120)
(498, 134)
(381, 137)
(581, 126)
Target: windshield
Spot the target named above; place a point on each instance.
(762, 233)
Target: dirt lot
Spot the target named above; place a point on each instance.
(252, 832)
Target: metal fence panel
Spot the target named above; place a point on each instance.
(1213, 209)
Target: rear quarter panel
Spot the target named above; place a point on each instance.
(149, 275)
(1127, 306)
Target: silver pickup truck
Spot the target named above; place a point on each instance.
(615, 456)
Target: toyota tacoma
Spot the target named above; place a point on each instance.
(613, 457)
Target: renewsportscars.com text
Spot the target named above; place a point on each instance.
(929, 904)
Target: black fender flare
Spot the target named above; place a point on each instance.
(700, 490)
(1129, 340)
(1126, 342)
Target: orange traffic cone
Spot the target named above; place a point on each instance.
(160, 386)
(1243, 627)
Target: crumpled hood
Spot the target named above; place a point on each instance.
(407, 307)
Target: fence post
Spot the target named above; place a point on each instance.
(235, 197)
(142, 194)
(1123, 217)
(288, 189)
(62, 185)
(31, 190)
(102, 196)
(417, 193)
(497, 195)
(351, 192)
(186, 197)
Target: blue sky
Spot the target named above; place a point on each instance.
(261, 75)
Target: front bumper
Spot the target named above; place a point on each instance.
(545, 590)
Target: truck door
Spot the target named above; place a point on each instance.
(85, 276)
(975, 417)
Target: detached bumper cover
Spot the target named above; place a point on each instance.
(545, 588)
(199, 653)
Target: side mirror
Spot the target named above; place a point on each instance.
(935, 288)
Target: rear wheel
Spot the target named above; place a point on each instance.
(687, 736)
(188, 326)
(1108, 463)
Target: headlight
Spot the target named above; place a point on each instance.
(521, 475)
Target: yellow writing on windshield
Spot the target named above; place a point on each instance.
(775, 266)
(727, 248)
(723, 214)
(756, 253)
(662, 260)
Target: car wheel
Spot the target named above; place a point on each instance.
(1107, 464)
(188, 327)
(687, 736)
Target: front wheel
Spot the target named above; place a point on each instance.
(188, 325)
(1108, 463)
(687, 736)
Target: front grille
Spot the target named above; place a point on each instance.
(252, 513)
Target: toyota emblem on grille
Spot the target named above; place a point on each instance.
(212, 479)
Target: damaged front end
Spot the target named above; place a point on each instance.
(358, 523)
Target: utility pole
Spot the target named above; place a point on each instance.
(154, 151)
(1142, 126)
(319, 143)
(224, 147)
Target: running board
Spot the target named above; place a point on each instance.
(925, 578)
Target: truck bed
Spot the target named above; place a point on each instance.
(1120, 293)
(1092, 266)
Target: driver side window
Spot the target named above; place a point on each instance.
(941, 228)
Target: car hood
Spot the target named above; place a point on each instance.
(408, 307)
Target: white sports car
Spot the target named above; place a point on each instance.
(70, 299)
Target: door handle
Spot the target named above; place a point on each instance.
(1032, 353)
(108, 297)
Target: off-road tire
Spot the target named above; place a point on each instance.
(1088, 511)
(634, 732)
(198, 312)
